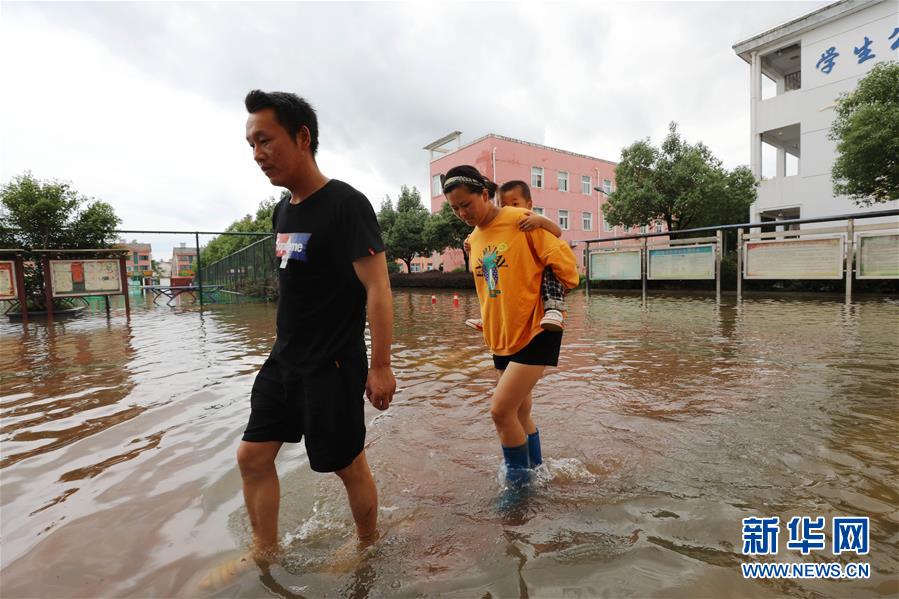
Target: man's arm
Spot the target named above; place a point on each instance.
(372, 273)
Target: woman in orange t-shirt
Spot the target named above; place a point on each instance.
(509, 265)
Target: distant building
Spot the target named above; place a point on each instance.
(184, 260)
(797, 70)
(563, 185)
(164, 269)
(139, 263)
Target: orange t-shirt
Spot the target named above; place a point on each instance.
(508, 266)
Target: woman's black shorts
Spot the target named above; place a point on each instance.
(325, 405)
(543, 350)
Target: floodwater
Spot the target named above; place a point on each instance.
(662, 429)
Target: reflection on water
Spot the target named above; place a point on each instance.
(663, 428)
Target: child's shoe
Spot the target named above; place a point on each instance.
(475, 323)
(552, 320)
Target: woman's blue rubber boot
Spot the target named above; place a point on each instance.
(534, 453)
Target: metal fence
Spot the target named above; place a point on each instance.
(250, 271)
(787, 232)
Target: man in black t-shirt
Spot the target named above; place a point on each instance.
(332, 271)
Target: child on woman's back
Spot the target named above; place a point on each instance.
(518, 195)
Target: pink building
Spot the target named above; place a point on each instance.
(562, 184)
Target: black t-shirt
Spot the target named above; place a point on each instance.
(321, 304)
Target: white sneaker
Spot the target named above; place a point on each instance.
(552, 320)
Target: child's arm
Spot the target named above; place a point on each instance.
(467, 244)
(536, 221)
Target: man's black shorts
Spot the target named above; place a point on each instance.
(543, 350)
(324, 405)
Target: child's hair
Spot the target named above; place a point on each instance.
(510, 185)
(470, 177)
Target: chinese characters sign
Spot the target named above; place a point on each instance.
(806, 534)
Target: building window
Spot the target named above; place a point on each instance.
(436, 187)
(563, 219)
(607, 186)
(538, 210)
(563, 181)
(606, 225)
(586, 185)
(537, 177)
(588, 221)
(416, 268)
(658, 226)
(643, 228)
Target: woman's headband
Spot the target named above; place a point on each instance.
(453, 181)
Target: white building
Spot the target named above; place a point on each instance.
(797, 71)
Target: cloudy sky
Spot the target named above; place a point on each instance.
(140, 104)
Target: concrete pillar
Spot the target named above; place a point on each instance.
(781, 163)
(755, 96)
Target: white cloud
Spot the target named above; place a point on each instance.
(140, 104)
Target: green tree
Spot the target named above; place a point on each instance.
(685, 185)
(222, 246)
(40, 215)
(403, 229)
(866, 129)
(445, 230)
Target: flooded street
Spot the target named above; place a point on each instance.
(662, 428)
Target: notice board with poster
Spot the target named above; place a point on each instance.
(71, 278)
(8, 288)
(878, 256)
(616, 265)
(682, 263)
(794, 259)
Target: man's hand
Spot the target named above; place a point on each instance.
(467, 244)
(380, 386)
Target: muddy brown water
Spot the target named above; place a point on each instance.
(663, 427)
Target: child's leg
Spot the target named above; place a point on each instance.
(553, 291)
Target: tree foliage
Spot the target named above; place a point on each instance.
(685, 185)
(404, 229)
(37, 214)
(866, 129)
(447, 231)
(41, 215)
(224, 245)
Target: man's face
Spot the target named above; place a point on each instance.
(514, 198)
(273, 150)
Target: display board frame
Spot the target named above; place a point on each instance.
(836, 242)
(703, 248)
(860, 257)
(637, 250)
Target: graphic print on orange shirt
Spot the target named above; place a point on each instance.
(489, 264)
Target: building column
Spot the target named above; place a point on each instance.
(781, 163)
(755, 96)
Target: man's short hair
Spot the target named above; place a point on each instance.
(291, 111)
(510, 185)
